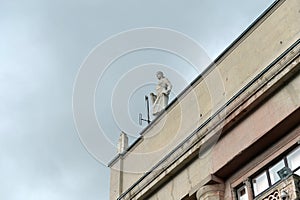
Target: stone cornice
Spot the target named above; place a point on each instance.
(259, 88)
(202, 76)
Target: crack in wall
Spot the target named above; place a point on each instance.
(189, 178)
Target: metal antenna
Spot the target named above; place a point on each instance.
(148, 113)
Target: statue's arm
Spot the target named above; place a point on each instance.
(169, 86)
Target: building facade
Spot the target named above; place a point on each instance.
(234, 133)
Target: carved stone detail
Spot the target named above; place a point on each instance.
(273, 196)
(211, 192)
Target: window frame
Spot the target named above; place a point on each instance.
(239, 188)
(266, 172)
(270, 165)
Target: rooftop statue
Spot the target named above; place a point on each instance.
(160, 99)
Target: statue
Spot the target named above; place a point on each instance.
(163, 89)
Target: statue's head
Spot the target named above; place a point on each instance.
(159, 74)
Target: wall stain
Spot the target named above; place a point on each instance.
(172, 190)
(189, 178)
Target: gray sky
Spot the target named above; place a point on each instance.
(42, 45)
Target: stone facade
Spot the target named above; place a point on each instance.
(236, 118)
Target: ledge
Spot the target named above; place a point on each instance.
(259, 88)
(208, 69)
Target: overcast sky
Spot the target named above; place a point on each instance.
(42, 46)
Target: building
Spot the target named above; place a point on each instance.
(235, 132)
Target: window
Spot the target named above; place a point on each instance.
(242, 193)
(260, 183)
(273, 171)
(294, 159)
(297, 172)
(270, 176)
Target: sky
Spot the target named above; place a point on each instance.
(43, 45)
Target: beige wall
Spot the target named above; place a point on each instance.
(238, 66)
(242, 136)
